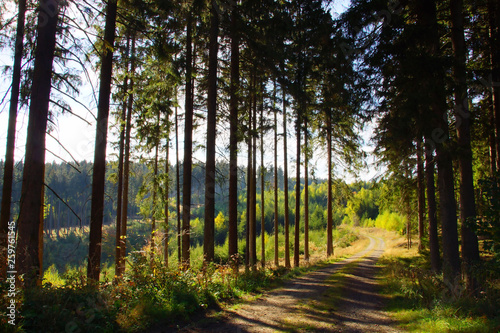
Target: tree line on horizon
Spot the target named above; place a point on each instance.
(66, 210)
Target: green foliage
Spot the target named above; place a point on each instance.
(67, 248)
(421, 301)
(149, 292)
(391, 221)
(344, 237)
(362, 206)
(487, 225)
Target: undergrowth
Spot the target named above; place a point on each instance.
(421, 302)
(149, 293)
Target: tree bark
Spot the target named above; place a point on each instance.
(448, 209)
(126, 165)
(491, 137)
(329, 221)
(209, 232)
(119, 190)
(285, 185)
(188, 146)
(296, 248)
(165, 242)
(155, 188)
(431, 209)
(233, 142)
(178, 184)
(121, 148)
(262, 184)
(306, 194)
(40, 236)
(31, 204)
(276, 188)
(494, 27)
(8, 172)
(249, 187)
(470, 246)
(253, 203)
(421, 196)
(436, 82)
(98, 174)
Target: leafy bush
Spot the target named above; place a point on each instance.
(391, 221)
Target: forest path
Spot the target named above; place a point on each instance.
(303, 304)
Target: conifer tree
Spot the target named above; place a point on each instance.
(31, 204)
(8, 172)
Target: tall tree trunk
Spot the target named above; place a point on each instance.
(470, 246)
(306, 194)
(126, 165)
(253, 202)
(40, 236)
(209, 232)
(8, 171)
(262, 184)
(494, 25)
(98, 174)
(492, 97)
(121, 149)
(178, 183)
(276, 189)
(165, 241)
(285, 185)
(188, 147)
(431, 209)
(233, 141)
(329, 206)
(448, 208)
(421, 196)
(31, 205)
(120, 187)
(491, 137)
(406, 199)
(155, 188)
(249, 185)
(296, 247)
(451, 258)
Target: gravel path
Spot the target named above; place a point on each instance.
(298, 305)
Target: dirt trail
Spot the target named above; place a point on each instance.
(298, 305)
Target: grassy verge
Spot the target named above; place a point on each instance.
(420, 302)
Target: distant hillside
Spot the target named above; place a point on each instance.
(68, 191)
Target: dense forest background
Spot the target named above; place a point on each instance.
(69, 191)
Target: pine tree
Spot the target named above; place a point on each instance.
(188, 145)
(233, 139)
(8, 172)
(31, 204)
(470, 246)
(208, 243)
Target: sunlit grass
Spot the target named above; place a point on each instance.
(420, 302)
(441, 319)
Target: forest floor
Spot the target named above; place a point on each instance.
(340, 297)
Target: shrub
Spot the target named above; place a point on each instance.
(391, 221)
